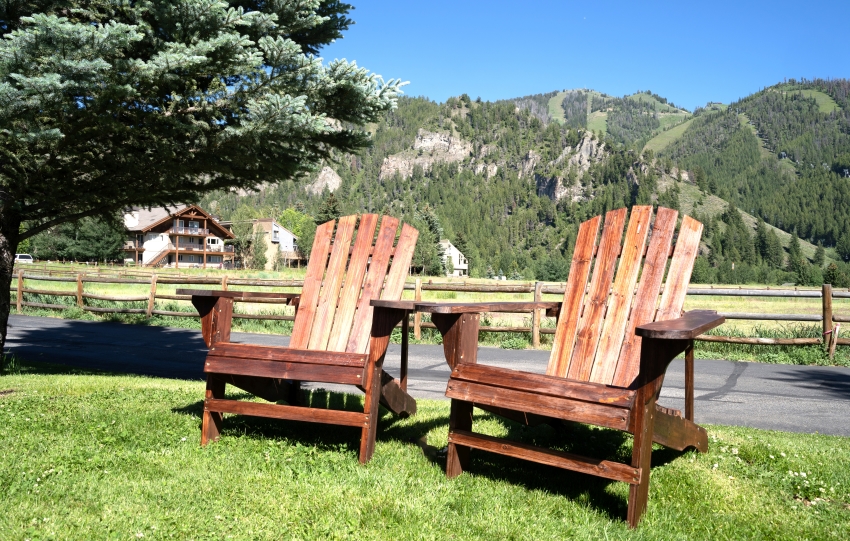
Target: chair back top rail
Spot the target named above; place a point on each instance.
(614, 286)
(353, 261)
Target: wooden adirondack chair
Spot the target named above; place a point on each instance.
(338, 336)
(608, 358)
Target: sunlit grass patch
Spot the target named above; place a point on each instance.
(85, 455)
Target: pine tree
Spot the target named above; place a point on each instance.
(329, 210)
(820, 255)
(795, 254)
(843, 246)
(113, 104)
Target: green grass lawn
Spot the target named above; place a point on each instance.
(99, 456)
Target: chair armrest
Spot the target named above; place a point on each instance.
(478, 307)
(397, 305)
(238, 294)
(687, 327)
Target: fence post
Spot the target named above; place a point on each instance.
(79, 290)
(417, 317)
(224, 283)
(826, 302)
(535, 316)
(20, 298)
(152, 296)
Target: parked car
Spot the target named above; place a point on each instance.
(23, 258)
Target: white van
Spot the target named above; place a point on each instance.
(23, 258)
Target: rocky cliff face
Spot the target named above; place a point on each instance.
(327, 179)
(586, 153)
(428, 149)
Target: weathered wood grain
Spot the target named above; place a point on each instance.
(549, 406)
(646, 298)
(590, 325)
(329, 297)
(543, 384)
(568, 319)
(353, 285)
(614, 328)
(312, 286)
(358, 340)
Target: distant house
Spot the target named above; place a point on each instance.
(458, 260)
(179, 236)
(278, 239)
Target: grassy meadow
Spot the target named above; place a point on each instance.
(597, 121)
(660, 141)
(88, 455)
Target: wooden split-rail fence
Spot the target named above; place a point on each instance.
(831, 321)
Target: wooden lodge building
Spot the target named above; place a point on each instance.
(180, 236)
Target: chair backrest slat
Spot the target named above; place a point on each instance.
(646, 298)
(590, 325)
(329, 298)
(353, 283)
(565, 333)
(594, 339)
(335, 312)
(312, 286)
(679, 275)
(393, 286)
(358, 340)
(622, 294)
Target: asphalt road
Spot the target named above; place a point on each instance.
(778, 397)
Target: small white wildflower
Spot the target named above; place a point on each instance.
(714, 467)
(771, 456)
(183, 439)
(783, 454)
(802, 474)
(140, 535)
(734, 451)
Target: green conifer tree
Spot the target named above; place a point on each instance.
(113, 104)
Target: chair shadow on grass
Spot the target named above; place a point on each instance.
(569, 437)
(322, 436)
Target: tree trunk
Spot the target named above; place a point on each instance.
(10, 224)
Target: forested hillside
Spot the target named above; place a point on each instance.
(508, 182)
(782, 154)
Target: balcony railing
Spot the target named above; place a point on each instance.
(200, 248)
(133, 245)
(199, 231)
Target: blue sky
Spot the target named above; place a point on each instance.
(691, 54)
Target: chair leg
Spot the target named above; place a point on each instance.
(460, 418)
(371, 408)
(642, 452)
(211, 424)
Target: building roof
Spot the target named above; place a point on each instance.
(141, 219)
